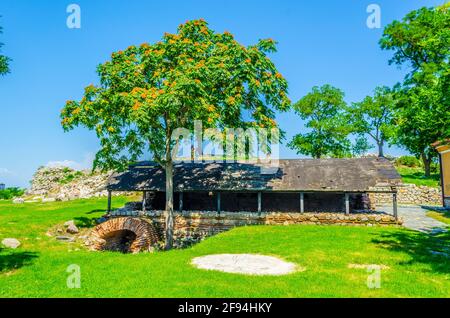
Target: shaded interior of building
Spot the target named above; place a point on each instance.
(249, 201)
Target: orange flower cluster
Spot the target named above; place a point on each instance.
(136, 106)
(200, 64)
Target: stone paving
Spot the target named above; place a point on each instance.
(415, 218)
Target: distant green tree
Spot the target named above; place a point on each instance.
(361, 146)
(4, 60)
(422, 42)
(10, 193)
(421, 118)
(325, 110)
(373, 116)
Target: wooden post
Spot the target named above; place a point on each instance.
(144, 200)
(259, 202)
(181, 201)
(218, 202)
(302, 202)
(441, 167)
(394, 202)
(109, 201)
(347, 204)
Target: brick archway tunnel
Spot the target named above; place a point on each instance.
(126, 235)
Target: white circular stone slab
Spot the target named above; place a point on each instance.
(250, 264)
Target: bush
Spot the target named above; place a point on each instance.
(70, 176)
(408, 161)
(10, 193)
(435, 168)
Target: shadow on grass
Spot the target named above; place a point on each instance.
(11, 260)
(95, 211)
(439, 209)
(423, 248)
(85, 222)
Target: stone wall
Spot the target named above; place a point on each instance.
(409, 194)
(193, 226)
(192, 223)
(63, 183)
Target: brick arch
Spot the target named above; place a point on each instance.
(145, 234)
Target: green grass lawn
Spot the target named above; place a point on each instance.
(38, 267)
(416, 176)
(443, 216)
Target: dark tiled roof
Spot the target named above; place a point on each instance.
(355, 174)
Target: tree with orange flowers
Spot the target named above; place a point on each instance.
(148, 91)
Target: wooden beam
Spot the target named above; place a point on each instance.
(302, 202)
(109, 201)
(394, 203)
(259, 202)
(181, 202)
(347, 204)
(218, 202)
(144, 200)
(441, 168)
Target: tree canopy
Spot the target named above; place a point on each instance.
(4, 60)
(373, 116)
(421, 41)
(325, 110)
(148, 91)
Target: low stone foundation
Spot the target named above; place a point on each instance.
(203, 223)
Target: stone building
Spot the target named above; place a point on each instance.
(213, 197)
(443, 148)
(295, 185)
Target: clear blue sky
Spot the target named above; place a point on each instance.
(319, 42)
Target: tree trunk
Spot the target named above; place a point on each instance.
(169, 205)
(380, 148)
(426, 165)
